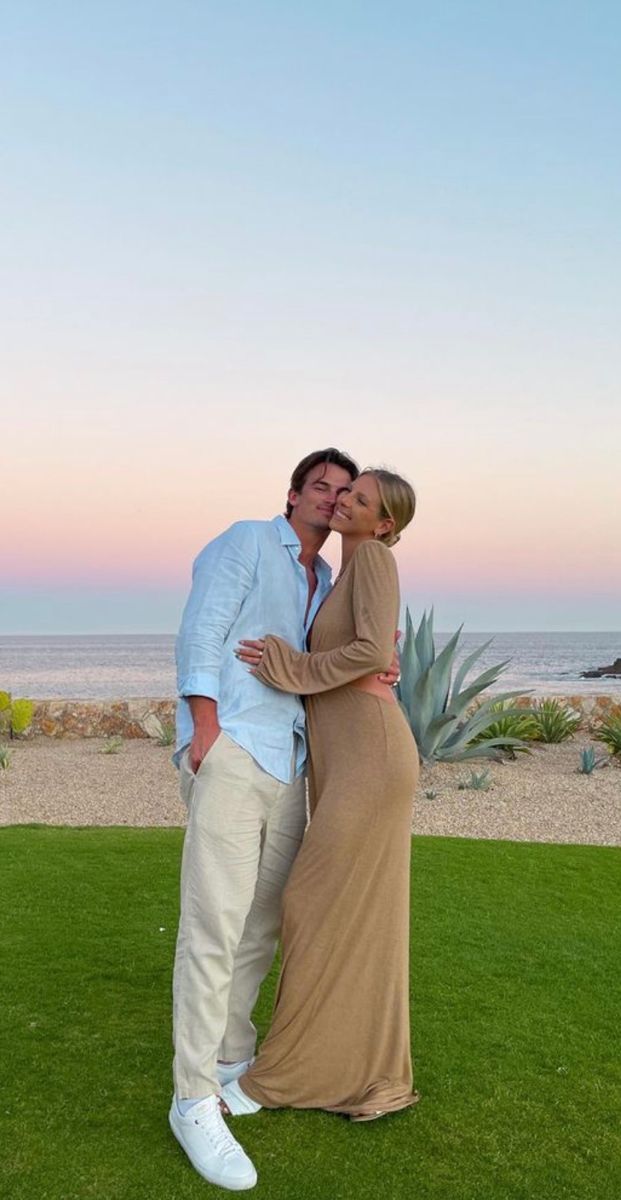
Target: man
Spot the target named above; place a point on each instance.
(241, 752)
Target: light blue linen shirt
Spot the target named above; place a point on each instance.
(247, 583)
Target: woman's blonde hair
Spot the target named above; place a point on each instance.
(397, 501)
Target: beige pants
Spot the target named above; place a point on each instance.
(244, 830)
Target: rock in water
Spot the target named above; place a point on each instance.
(613, 671)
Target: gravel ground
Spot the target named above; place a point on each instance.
(538, 798)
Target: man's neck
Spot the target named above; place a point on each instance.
(311, 541)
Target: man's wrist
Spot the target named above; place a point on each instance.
(204, 712)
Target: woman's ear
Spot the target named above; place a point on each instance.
(384, 527)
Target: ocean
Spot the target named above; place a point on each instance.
(121, 666)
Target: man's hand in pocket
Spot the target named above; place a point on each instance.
(206, 729)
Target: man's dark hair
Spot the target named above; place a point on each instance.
(303, 469)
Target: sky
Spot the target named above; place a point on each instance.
(232, 234)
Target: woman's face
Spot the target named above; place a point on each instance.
(358, 510)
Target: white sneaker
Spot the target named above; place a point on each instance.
(236, 1100)
(210, 1146)
(228, 1071)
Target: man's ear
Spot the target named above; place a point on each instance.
(293, 497)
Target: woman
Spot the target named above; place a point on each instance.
(339, 1038)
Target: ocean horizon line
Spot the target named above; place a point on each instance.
(440, 632)
(44, 665)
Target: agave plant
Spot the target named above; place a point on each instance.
(477, 781)
(437, 709)
(590, 762)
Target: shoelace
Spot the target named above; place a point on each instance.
(214, 1126)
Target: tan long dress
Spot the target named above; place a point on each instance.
(339, 1038)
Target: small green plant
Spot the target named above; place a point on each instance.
(511, 723)
(167, 736)
(430, 794)
(5, 757)
(477, 781)
(589, 761)
(555, 721)
(15, 715)
(608, 731)
(112, 745)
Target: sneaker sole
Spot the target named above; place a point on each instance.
(231, 1185)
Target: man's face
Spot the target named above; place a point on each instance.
(314, 504)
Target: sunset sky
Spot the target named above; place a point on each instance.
(236, 233)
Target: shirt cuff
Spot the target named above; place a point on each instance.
(201, 683)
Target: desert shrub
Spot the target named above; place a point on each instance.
(508, 722)
(112, 745)
(555, 721)
(15, 715)
(608, 731)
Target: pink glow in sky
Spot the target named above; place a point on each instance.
(264, 239)
(136, 515)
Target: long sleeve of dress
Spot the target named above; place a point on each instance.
(375, 601)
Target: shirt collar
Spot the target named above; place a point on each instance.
(286, 532)
(289, 537)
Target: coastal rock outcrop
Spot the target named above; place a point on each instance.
(612, 672)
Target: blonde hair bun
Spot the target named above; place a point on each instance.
(397, 501)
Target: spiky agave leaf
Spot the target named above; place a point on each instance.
(483, 716)
(488, 749)
(410, 665)
(461, 702)
(460, 741)
(421, 710)
(467, 663)
(443, 667)
(424, 643)
(429, 693)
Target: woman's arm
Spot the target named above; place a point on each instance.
(375, 599)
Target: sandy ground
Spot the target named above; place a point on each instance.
(540, 797)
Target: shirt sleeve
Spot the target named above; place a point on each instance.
(222, 576)
(375, 602)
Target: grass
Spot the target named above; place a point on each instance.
(516, 993)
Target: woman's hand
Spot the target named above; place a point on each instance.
(250, 652)
(393, 675)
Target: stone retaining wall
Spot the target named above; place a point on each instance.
(147, 718)
(102, 718)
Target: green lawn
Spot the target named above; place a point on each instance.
(516, 997)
